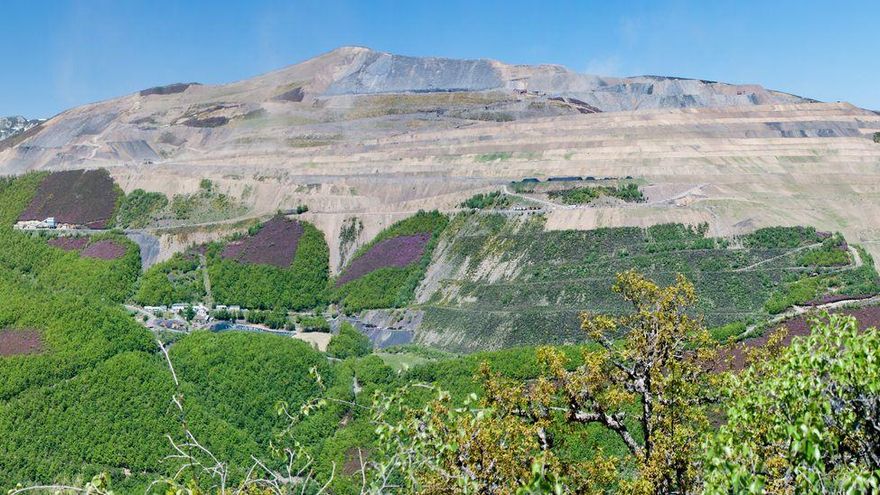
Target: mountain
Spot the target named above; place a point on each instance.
(360, 133)
(13, 126)
(332, 93)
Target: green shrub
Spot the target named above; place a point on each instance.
(139, 208)
(780, 237)
(731, 330)
(523, 187)
(877, 137)
(313, 323)
(349, 343)
(799, 292)
(498, 156)
(858, 281)
(833, 252)
(582, 195)
(178, 279)
(677, 232)
(496, 200)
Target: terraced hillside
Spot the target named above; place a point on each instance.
(349, 136)
(500, 282)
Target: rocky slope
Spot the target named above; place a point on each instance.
(359, 133)
(15, 125)
(349, 92)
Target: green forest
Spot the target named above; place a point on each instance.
(101, 398)
(301, 286)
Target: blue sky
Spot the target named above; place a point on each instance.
(59, 54)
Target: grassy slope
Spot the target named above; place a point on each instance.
(560, 273)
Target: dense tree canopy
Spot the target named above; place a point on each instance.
(349, 343)
(804, 420)
(302, 285)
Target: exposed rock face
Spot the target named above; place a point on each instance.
(13, 126)
(349, 93)
(376, 72)
(359, 133)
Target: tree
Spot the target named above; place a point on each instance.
(650, 388)
(658, 373)
(349, 343)
(804, 419)
(189, 313)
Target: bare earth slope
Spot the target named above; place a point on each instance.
(328, 97)
(356, 132)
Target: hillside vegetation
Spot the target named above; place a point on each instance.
(301, 285)
(509, 282)
(96, 395)
(387, 280)
(178, 279)
(30, 255)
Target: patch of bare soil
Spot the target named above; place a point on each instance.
(354, 457)
(20, 342)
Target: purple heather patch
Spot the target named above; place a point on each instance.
(105, 250)
(275, 244)
(396, 252)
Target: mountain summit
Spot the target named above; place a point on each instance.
(345, 92)
(367, 71)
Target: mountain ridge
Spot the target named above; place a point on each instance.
(16, 124)
(279, 140)
(346, 86)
